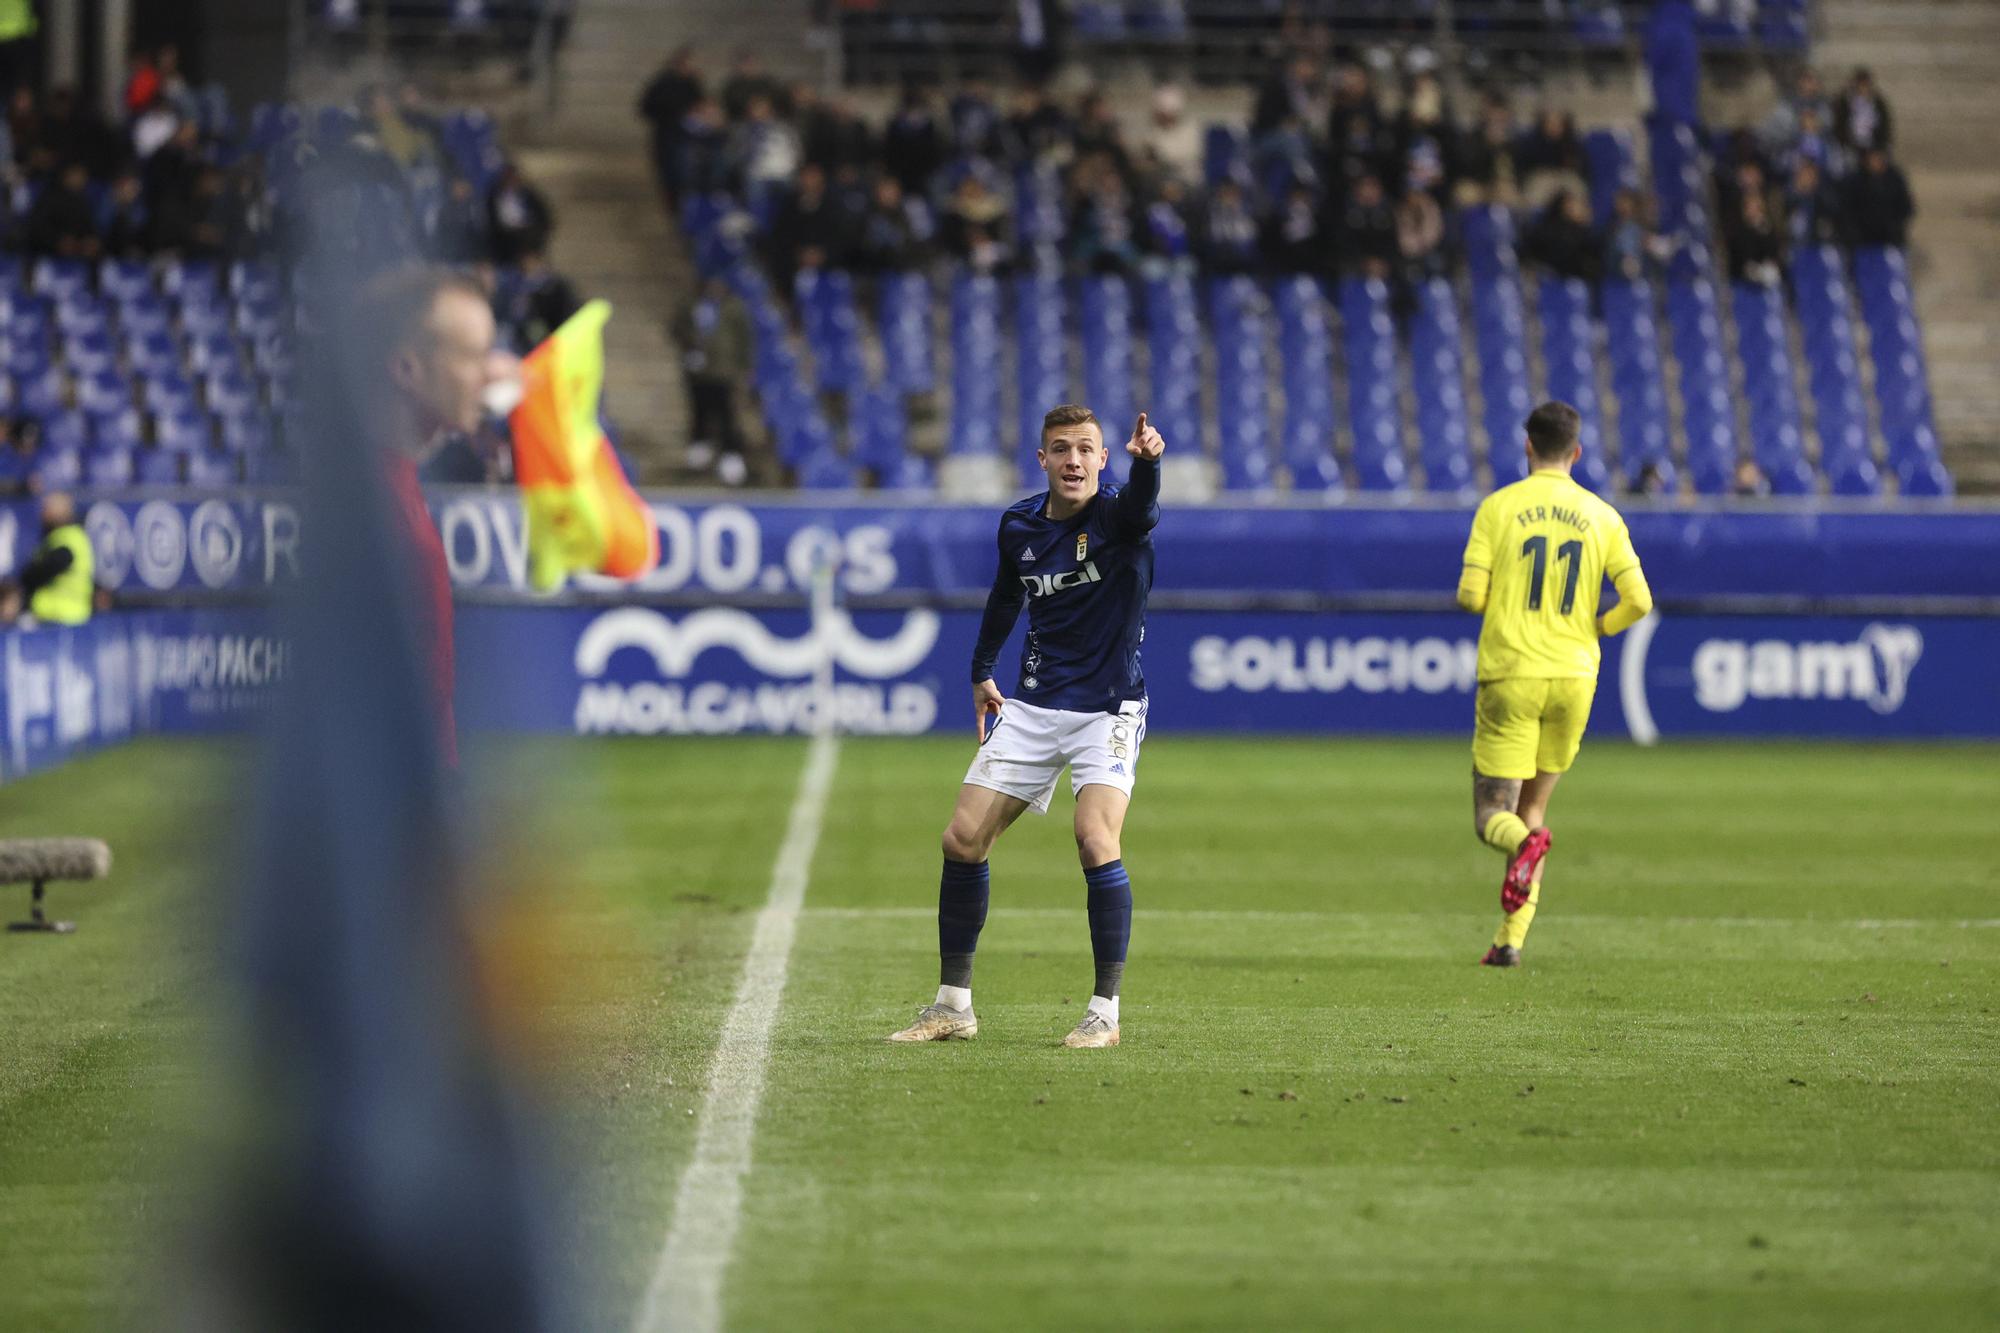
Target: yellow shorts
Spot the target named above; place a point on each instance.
(1527, 726)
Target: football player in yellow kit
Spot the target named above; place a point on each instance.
(1538, 556)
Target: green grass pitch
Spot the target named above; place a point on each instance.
(1750, 1076)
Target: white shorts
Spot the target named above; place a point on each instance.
(1027, 748)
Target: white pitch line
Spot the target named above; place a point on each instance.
(685, 1295)
(1589, 918)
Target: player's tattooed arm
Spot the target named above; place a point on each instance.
(1491, 796)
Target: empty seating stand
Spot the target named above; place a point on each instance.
(1777, 440)
(1041, 363)
(1708, 408)
(1173, 341)
(1500, 330)
(1569, 355)
(1902, 383)
(1104, 321)
(1305, 353)
(975, 366)
(1638, 384)
(1241, 330)
(1437, 382)
(1840, 414)
(1373, 410)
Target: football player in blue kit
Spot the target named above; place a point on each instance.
(1080, 557)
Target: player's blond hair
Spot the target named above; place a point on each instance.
(1068, 414)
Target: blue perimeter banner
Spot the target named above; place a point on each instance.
(639, 670)
(168, 543)
(65, 692)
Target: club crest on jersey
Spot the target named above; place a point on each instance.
(1082, 547)
(1041, 585)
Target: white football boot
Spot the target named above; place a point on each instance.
(939, 1022)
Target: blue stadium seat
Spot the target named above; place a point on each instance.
(168, 394)
(88, 354)
(123, 280)
(145, 314)
(108, 467)
(59, 278)
(57, 467)
(214, 352)
(41, 392)
(246, 432)
(156, 467)
(103, 390)
(904, 319)
(228, 392)
(1173, 340)
(82, 312)
(213, 468)
(1613, 167)
(879, 430)
(183, 432)
(65, 432)
(188, 279)
(118, 429)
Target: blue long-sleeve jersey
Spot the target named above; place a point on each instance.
(1085, 580)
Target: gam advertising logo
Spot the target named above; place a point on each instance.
(1873, 669)
(777, 687)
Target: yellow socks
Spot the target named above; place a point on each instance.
(1513, 930)
(1505, 833)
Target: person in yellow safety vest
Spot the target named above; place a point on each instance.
(59, 579)
(17, 43)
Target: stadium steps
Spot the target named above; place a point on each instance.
(1934, 60)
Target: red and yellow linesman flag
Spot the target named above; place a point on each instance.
(583, 515)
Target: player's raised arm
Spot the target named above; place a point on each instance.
(1136, 508)
(1003, 608)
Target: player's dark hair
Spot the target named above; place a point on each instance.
(1068, 414)
(1552, 430)
(396, 305)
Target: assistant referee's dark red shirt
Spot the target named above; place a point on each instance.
(432, 582)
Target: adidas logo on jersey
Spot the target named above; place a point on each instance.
(1027, 557)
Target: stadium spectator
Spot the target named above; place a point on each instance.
(1813, 212)
(1229, 240)
(1290, 94)
(811, 230)
(1169, 237)
(170, 175)
(458, 230)
(1550, 159)
(665, 103)
(1563, 241)
(746, 82)
(63, 221)
(699, 160)
(1779, 132)
(1753, 244)
(1098, 133)
(1420, 237)
(1365, 244)
(404, 136)
(127, 226)
(975, 121)
(1633, 247)
(1879, 207)
(540, 300)
(20, 440)
(763, 155)
(1861, 116)
(713, 333)
(913, 144)
(975, 230)
(1359, 142)
(1488, 172)
(887, 239)
(1173, 142)
(518, 218)
(1036, 127)
(1292, 240)
(1103, 232)
(1425, 137)
(1749, 481)
(836, 138)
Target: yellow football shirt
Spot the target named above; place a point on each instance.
(1548, 545)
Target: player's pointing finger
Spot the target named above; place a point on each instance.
(1139, 429)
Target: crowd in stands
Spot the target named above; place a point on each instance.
(1341, 171)
(1337, 175)
(143, 262)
